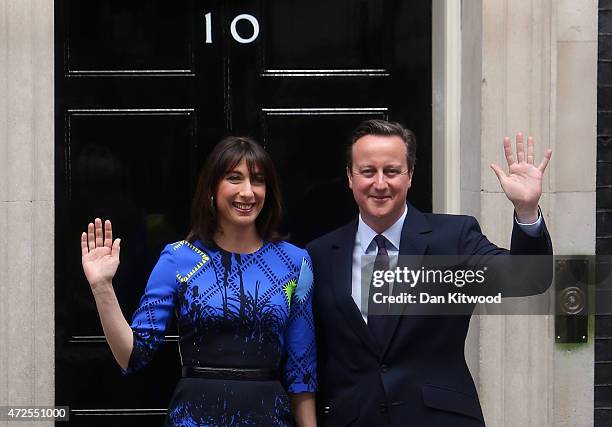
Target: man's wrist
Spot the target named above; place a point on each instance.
(527, 216)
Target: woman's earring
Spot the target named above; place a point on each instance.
(212, 203)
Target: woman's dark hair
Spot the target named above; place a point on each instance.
(226, 155)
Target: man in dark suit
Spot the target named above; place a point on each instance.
(404, 370)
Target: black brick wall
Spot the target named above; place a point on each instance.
(603, 324)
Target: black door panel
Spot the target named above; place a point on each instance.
(137, 36)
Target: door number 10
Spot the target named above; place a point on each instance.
(242, 17)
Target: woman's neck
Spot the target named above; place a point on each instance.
(241, 241)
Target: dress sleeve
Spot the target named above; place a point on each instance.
(300, 368)
(154, 312)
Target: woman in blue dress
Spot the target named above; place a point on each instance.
(242, 298)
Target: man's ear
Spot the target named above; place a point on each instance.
(349, 175)
(410, 178)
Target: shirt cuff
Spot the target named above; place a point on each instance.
(534, 229)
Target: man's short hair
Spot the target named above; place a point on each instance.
(384, 128)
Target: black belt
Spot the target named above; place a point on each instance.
(250, 374)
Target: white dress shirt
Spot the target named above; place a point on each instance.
(365, 249)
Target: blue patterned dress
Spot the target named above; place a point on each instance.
(234, 310)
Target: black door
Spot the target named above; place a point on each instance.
(145, 88)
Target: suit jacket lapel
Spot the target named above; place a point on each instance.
(413, 242)
(342, 257)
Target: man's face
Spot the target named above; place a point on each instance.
(380, 179)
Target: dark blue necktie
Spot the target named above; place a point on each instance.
(376, 322)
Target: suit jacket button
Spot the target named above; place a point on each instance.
(383, 408)
(384, 368)
(326, 409)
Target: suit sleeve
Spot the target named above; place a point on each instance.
(524, 244)
(476, 243)
(528, 271)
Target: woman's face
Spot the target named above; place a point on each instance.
(240, 196)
